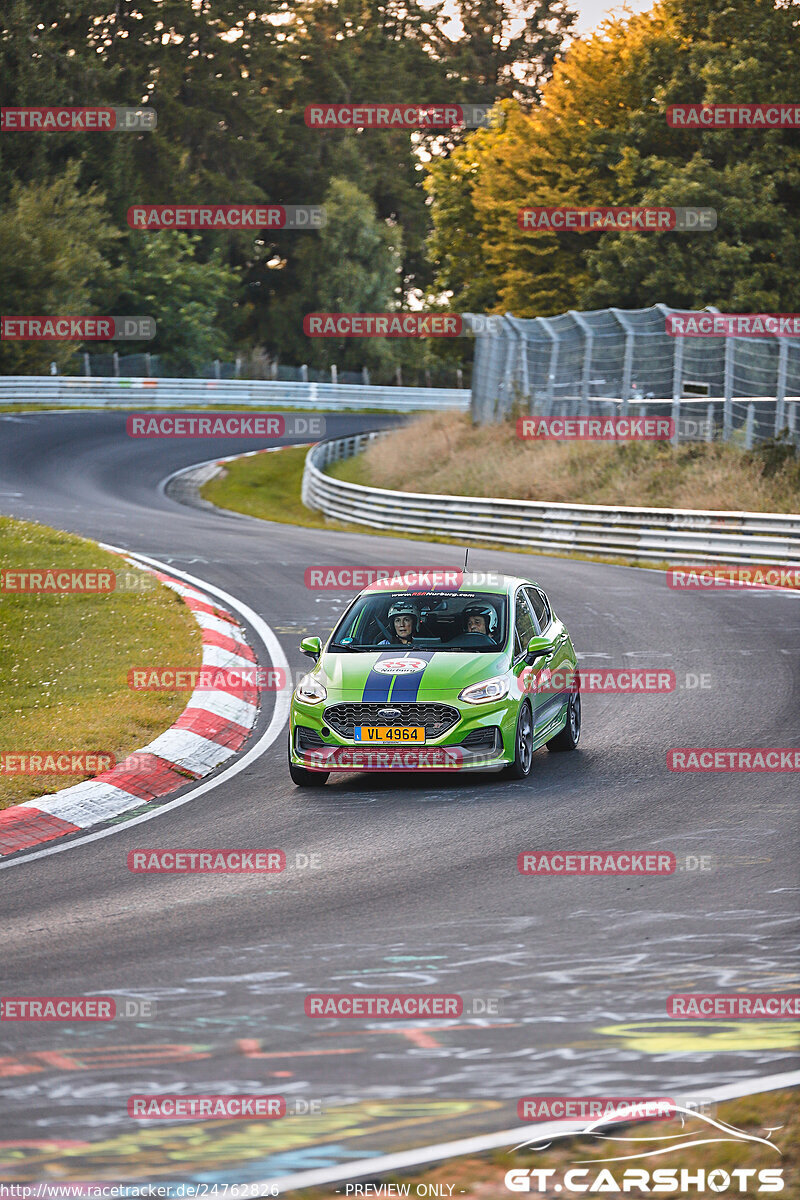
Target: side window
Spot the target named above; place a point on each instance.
(523, 622)
(541, 609)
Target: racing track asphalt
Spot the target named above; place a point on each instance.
(417, 887)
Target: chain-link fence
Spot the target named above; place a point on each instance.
(744, 389)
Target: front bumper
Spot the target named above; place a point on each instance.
(488, 733)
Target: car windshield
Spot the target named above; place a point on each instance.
(466, 622)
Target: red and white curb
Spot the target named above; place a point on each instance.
(214, 726)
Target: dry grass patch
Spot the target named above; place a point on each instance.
(445, 454)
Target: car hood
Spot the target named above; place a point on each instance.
(396, 675)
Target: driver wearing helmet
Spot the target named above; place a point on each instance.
(404, 621)
(480, 618)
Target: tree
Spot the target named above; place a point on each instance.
(351, 265)
(192, 300)
(55, 248)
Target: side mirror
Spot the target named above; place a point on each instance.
(312, 647)
(537, 648)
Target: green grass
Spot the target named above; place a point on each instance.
(64, 659)
(265, 486)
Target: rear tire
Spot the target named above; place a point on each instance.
(571, 733)
(523, 745)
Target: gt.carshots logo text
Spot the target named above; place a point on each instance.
(388, 1004)
(734, 758)
(57, 1008)
(674, 1181)
(226, 216)
(400, 116)
(218, 1107)
(733, 116)
(616, 217)
(77, 120)
(692, 324)
(597, 862)
(386, 324)
(77, 329)
(56, 762)
(197, 425)
(601, 429)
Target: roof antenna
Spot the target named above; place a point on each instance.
(466, 556)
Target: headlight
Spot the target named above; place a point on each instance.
(310, 690)
(482, 693)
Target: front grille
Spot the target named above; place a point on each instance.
(308, 739)
(480, 739)
(436, 719)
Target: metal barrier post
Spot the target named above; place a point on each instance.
(780, 388)
(727, 411)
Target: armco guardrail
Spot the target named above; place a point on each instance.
(56, 390)
(656, 534)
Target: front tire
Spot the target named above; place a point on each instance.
(523, 744)
(571, 733)
(305, 778)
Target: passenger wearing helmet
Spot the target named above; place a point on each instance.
(480, 618)
(404, 621)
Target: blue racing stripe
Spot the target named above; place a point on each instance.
(377, 686)
(406, 687)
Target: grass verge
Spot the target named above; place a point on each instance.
(64, 658)
(483, 1175)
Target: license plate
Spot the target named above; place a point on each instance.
(389, 733)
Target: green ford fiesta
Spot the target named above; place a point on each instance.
(468, 675)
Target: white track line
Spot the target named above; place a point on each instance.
(279, 715)
(406, 1159)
